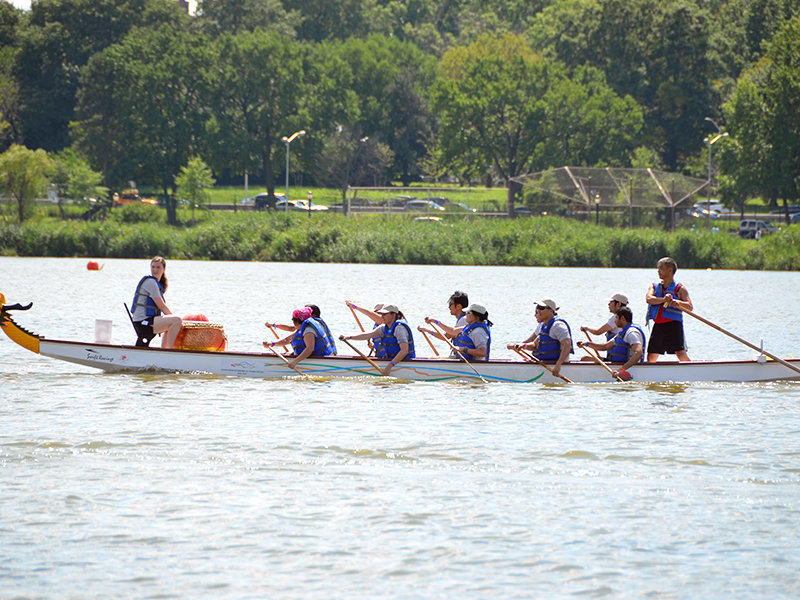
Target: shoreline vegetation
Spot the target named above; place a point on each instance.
(294, 237)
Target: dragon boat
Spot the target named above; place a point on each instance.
(125, 358)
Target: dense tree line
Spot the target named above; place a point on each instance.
(397, 90)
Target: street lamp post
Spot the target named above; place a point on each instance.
(710, 141)
(597, 209)
(287, 141)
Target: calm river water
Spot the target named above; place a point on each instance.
(160, 486)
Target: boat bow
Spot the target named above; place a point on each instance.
(20, 335)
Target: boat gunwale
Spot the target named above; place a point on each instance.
(665, 363)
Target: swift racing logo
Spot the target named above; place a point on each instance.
(97, 357)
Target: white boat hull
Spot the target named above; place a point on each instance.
(268, 366)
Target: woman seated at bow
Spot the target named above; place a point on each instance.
(474, 340)
(396, 340)
(309, 339)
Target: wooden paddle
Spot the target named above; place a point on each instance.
(593, 355)
(529, 356)
(355, 316)
(283, 358)
(427, 339)
(456, 350)
(362, 355)
(741, 341)
(277, 337)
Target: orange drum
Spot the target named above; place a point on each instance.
(202, 335)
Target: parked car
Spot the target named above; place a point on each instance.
(355, 204)
(522, 211)
(781, 213)
(300, 206)
(440, 200)
(397, 201)
(423, 205)
(459, 207)
(131, 196)
(755, 228)
(262, 201)
(795, 218)
(709, 205)
(702, 213)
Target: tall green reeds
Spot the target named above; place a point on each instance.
(539, 241)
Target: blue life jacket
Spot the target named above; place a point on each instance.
(610, 335)
(550, 347)
(151, 310)
(619, 353)
(670, 312)
(389, 346)
(328, 336)
(321, 345)
(463, 339)
(376, 342)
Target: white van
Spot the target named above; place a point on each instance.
(754, 228)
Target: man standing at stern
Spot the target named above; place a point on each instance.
(666, 301)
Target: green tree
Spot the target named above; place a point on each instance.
(489, 98)
(157, 102)
(587, 123)
(339, 19)
(391, 80)
(267, 87)
(258, 87)
(656, 51)
(349, 158)
(764, 120)
(235, 16)
(195, 180)
(75, 180)
(56, 41)
(23, 174)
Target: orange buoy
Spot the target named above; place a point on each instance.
(92, 265)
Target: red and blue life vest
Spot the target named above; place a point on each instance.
(669, 313)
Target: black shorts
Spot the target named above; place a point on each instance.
(144, 331)
(667, 338)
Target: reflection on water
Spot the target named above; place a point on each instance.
(148, 485)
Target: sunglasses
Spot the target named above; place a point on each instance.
(540, 308)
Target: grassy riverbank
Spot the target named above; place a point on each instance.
(539, 241)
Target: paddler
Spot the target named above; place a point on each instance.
(150, 314)
(666, 301)
(627, 347)
(396, 341)
(308, 339)
(373, 315)
(315, 314)
(551, 341)
(457, 305)
(474, 339)
(609, 328)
